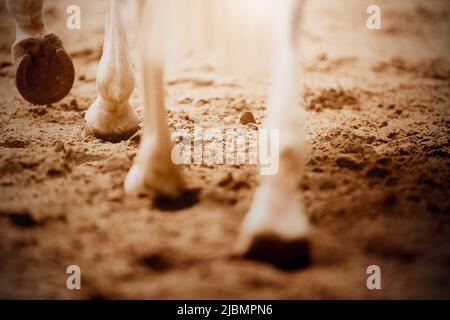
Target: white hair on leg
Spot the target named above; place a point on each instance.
(275, 227)
(28, 17)
(153, 169)
(111, 117)
(232, 34)
(132, 12)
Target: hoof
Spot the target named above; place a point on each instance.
(276, 230)
(154, 172)
(144, 182)
(284, 254)
(111, 124)
(44, 72)
(135, 182)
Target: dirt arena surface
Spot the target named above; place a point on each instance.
(375, 186)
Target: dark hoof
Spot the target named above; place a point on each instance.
(286, 255)
(44, 72)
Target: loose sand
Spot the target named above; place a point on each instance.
(375, 185)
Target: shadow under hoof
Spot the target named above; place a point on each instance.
(89, 132)
(185, 200)
(285, 255)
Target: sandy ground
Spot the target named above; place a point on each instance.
(375, 185)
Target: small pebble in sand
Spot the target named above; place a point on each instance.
(247, 118)
(186, 101)
(201, 102)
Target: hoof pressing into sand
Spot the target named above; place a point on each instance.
(154, 172)
(275, 230)
(111, 117)
(114, 126)
(44, 72)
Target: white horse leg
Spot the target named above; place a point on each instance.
(111, 117)
(154, 169)
(276, 228)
